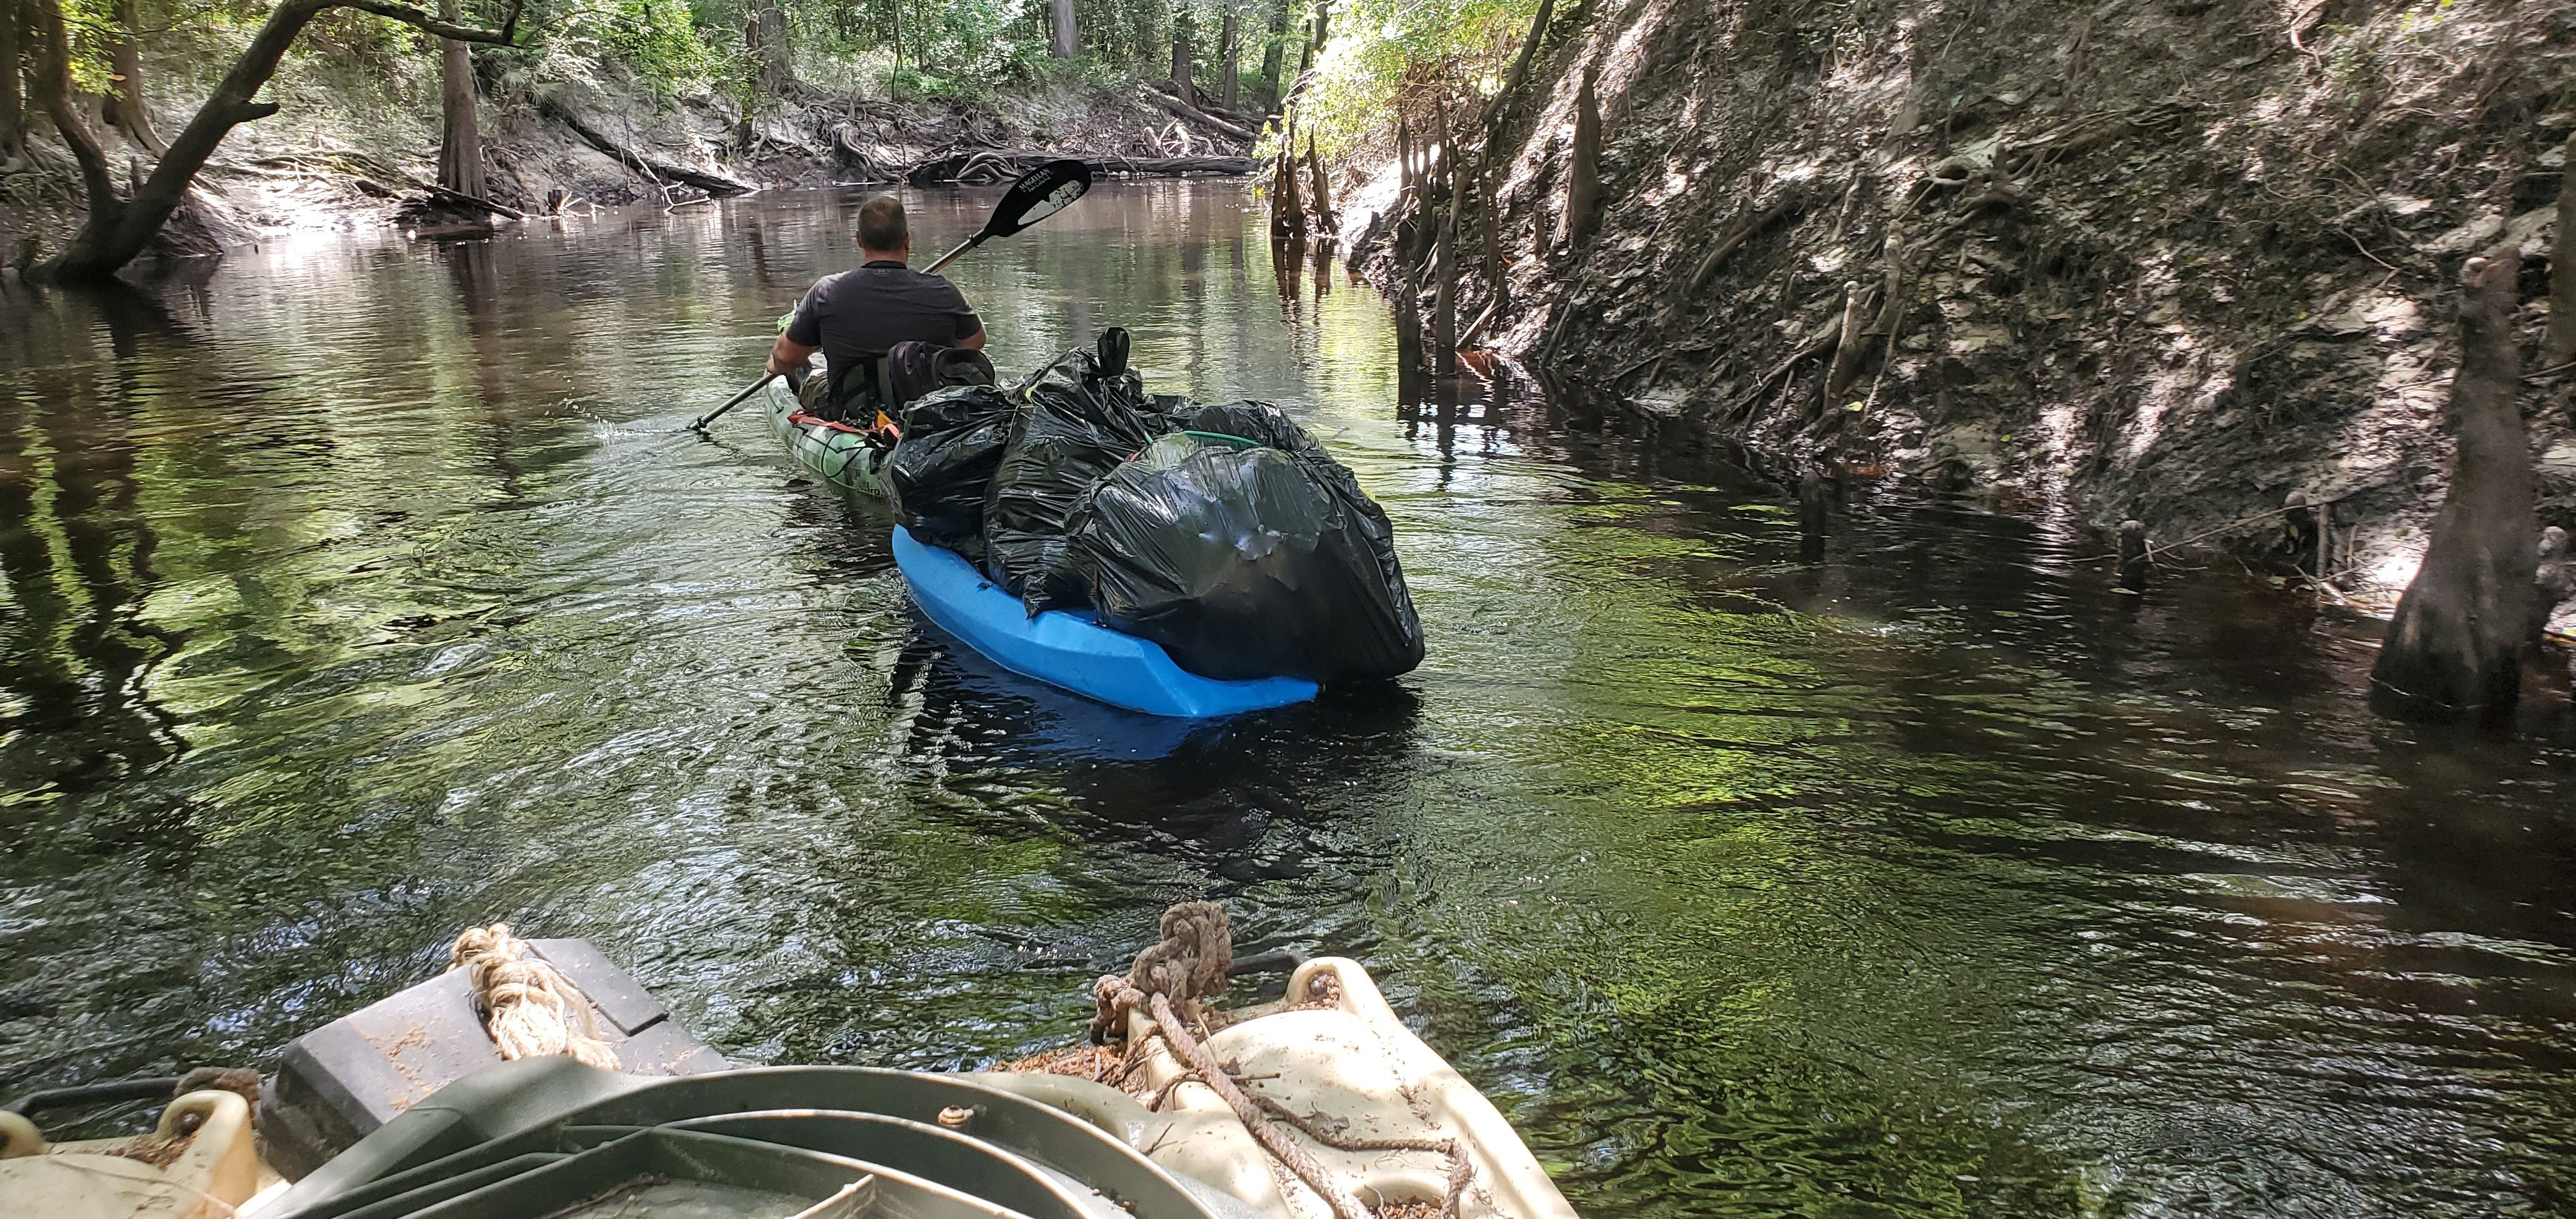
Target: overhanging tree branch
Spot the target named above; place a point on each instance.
(424, 22)
(119, 228)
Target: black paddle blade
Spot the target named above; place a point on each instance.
(1040, 193)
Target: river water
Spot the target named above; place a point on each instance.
(362, 591)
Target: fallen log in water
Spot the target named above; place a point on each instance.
(987, 166)
(657, 170)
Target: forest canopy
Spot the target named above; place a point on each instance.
(1379, 51)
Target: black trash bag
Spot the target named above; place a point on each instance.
(1246, 551)
(943, 467)
(1077, 426)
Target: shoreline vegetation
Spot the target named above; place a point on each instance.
(2193, 267)
(361, 113)
(2183, 271)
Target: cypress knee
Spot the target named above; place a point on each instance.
(1444, 247)
(2454, 650)
(2133, 556)
(1495, 266)
(2553, 582)
(1847, 349)
(1287, 216)
(1326, 224)
(1583, 172)
(2299, 534)
(1815, 503)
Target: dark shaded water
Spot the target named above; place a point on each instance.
(362, 592)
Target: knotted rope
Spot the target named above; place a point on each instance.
(529, 1008)
(1189, 965)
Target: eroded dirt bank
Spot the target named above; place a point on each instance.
(2171, 259)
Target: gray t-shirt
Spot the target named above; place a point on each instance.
(864, 313)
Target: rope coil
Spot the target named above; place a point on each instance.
(529, 1008)
(1167, 982)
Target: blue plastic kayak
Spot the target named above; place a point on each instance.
(1067, 650)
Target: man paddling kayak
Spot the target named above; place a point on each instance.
(855, 317)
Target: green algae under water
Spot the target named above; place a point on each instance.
(361, 591)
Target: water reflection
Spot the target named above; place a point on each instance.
(77, 553)
(1883, 860)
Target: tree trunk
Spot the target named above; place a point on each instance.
(13, 112)
(460, 141)
(53, 60)
(771, 53)
(2454, 650)
(1228, 86)
(1583, 177)
(747, 91)
(1323, 25)
(119, 228)
(2559, 346)
(1270, 57)
(1183, 65)
(127, 58)
(1060, 32)
(1493, 122)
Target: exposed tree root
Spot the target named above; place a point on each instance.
(651, 167)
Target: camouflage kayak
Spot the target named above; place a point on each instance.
(841, 456)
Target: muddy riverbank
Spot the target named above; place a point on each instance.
(2172, 260)
(575, 146)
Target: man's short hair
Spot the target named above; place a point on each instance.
(881, 223)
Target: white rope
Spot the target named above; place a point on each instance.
(529, 1008)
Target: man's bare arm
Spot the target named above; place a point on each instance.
(972, 342)
(791, 354)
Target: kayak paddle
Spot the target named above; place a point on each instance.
(1039, 193)
(700, 423)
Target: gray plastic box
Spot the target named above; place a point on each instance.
(338, 1083)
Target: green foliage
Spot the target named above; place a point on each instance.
(92, 26)
(657, 42)
(962, 48)
(362, 65)
(1387, 55)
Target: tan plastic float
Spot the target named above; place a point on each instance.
(1341, 1062)
(208, 1166)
